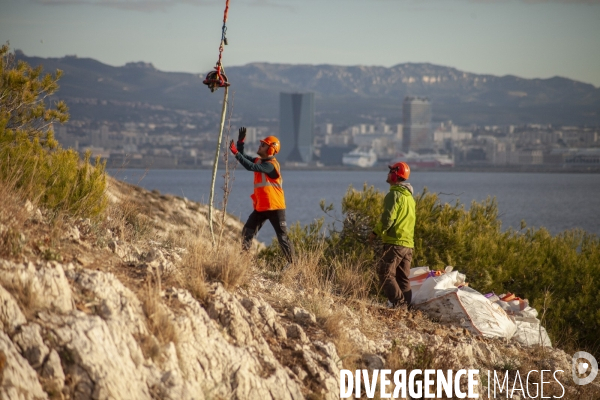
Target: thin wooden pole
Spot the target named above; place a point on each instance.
(215, 165)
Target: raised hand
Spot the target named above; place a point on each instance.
(242, 134)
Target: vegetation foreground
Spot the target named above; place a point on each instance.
(60, 209)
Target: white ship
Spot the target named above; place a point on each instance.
(360, 158)
(416, 161)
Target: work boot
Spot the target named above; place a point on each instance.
(391, 305)
(407, 297)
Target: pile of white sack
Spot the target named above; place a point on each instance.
(447, 298)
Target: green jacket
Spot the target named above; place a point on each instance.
(397, 225)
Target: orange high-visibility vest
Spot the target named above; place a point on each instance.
(268, 192)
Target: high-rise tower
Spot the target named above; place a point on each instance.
(416, 119)
(296, 126)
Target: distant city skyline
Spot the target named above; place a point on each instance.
(526, 38)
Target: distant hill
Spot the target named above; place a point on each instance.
(344, 94)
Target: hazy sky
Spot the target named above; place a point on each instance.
(527, 38)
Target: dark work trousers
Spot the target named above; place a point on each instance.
(393, 270)
(277, 218)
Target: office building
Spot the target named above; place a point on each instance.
(296, 127)
(417, 134)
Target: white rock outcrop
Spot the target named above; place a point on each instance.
(19, 379)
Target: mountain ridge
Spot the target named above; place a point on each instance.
(342, 93)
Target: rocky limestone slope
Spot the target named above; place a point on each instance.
(95, 310)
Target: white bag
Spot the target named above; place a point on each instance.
(439, 298)
(433, 286)
(531, 333)
(417, 276)
(471, 310)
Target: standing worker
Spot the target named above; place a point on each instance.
(396, 229)
(268, 199)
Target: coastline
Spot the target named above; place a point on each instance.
(463, 168)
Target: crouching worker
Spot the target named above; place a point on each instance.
(396, 229)
(268, 199)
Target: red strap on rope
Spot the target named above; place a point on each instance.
(226, 11)
(223, 42)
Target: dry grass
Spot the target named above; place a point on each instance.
(126, 221)
(351, 280)
(334, 323)
(11, 241)
(159, 323)
(13, 216)
(228, 267)
(203, 264)
(340, 277)
(307, 272)
(26, 296)
(349, 353)
(15, 234)
(326, 289)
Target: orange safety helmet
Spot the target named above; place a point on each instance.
(400, 172)
(273, 144)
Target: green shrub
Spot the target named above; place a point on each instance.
(557, 274)
(30, 158)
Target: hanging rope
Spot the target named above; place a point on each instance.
(214, 80)
(217, 78)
